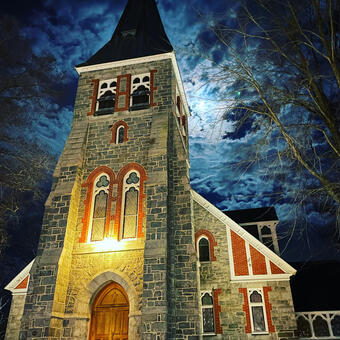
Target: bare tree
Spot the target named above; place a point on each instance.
(280, 75)
(28, 85)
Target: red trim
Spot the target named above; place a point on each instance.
(141, 215)
(89, 185)
(125, 93)
(217, 311)
(258, 262)
(271, 327)
(114, 131)
(239, 254)
(275, 269)
(23, 284)
(94, 97)
(211, 239)
(152, 87)
(246, 309)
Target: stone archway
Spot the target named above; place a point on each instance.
(110, 314)
(101, 281)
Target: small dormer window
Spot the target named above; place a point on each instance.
(106, 97)
(140, 92)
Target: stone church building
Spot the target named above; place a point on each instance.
(128, 250)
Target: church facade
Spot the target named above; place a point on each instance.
(128, 250)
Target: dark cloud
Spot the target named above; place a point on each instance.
(73, 30)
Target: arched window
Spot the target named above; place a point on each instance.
(257, 311)
(114, 205)
(97, 217)
(106, 97)
(99, 208)
(140, 92)
(119, 132)
(208, 313)
(205, 243)
(120, 135)
(203, 249)
(267, 238)
(130, 205)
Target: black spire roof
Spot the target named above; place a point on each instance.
(252, 215)
(139, 33)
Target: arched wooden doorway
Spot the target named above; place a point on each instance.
(110, 314)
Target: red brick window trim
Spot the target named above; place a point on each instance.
(153, 88)
(271, 327)
(123, 91)
(89, 201)
(257, 299)
(217, 311)
(105, 174)
(202, 233)
(122, 179)
(115, 132)
(246, 309)
(93, 98)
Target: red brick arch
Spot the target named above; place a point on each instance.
(211, 239)
(115, 128)
(89, 185)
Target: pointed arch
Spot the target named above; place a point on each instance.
(90, 201)
(121, 199)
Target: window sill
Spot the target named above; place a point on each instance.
(104, 112)
(209, 334)
(139, 107)
(260, 333)
(109, 246)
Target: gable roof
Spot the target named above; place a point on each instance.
(252, 215)
(139, 33)
(19, 284)
(239, 239)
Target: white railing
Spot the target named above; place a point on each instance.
(318, 325)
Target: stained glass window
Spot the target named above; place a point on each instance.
(257, 311)
(120, 135)
(99, 208)
(203, 249)
(258, 319)
(208, 313)
(99, 217)
(131, 198)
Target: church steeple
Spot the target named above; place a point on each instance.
(139, 33)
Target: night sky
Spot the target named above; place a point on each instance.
(74, 30)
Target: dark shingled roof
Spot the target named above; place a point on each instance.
(252, 215)
(139, 33)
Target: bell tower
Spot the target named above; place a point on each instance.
(116, 258)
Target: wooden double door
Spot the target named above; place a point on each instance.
(110, 314)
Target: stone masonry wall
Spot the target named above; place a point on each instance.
(183, 286)
(64, 276)
(216, 275)
(13, 323)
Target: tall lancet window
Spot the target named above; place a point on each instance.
(99, 208)
(130, 205)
